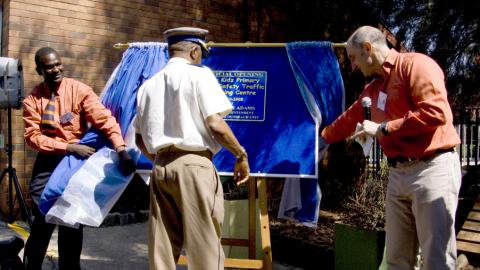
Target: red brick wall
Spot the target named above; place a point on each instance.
(84, 31)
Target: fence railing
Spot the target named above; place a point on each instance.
(468, 121)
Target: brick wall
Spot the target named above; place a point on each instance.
(84, 31)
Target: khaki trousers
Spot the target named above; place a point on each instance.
(186, 210)
(422, 198)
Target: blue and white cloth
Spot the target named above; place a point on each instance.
(82, 191)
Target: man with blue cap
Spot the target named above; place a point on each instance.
(180, 127)
(192, 34)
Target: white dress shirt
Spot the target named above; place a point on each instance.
(173, 105)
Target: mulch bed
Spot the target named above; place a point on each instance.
(302, 246)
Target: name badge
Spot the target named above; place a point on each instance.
(66, 118)
(382, 100)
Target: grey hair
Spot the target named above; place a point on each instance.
(367, 34)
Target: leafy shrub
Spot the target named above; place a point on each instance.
(351, 187)
(365, 207)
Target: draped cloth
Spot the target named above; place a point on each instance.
(318, 76)
(82, 191)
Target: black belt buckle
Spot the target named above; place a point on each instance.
(441, 151)
(392, 162)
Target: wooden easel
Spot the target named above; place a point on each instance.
(254, 185)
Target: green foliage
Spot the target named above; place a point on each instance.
(448, 31)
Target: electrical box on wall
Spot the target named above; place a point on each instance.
(2, 141)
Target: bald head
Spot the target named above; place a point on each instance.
(367, 34)
(367, 50)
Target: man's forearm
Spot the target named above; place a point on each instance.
(224, 135)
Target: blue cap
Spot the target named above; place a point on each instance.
(192, 34)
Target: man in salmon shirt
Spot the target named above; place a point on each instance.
(412, 120)
(56, 114)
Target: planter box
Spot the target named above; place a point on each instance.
(357, 248)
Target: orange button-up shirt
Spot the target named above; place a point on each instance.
(76, 104)
(419, 117)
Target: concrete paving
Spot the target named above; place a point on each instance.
(114, 247)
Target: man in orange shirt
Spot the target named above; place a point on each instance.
(56, 114)
(413, 122)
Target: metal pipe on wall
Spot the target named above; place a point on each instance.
(247, 44)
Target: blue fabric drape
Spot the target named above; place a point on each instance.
(318, 76)
(317, 72)
(140, 62)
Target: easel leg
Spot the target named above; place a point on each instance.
(252, 221)
(264, 224)
(254, 185)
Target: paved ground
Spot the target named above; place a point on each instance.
(116, 247)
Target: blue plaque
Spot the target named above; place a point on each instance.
(247, 91)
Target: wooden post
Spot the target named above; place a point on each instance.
(264, 223)
(251, 218)
(254, 185)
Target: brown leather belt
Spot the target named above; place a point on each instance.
(173, 149)
(400, 159)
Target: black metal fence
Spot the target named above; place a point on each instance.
(466, 121)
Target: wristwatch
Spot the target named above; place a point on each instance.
(383, 128)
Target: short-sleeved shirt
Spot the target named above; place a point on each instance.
(412, 98)
(173, 105)
(76, 104)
